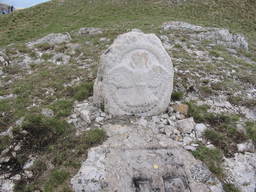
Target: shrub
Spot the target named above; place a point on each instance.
(4, 142)
(62, 108)
(83, 91)
(41, 131)
(251, 130)
(44, 47)
(177, 96)
(95, 136)
(57, 177)
(211, 157)
(228, 187)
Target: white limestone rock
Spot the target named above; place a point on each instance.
(135, 76)
(90, 31)
(241, 171)
(134, 158)
(6, 185)
(246, 147)
(52, 39)
(200, 128)
(217, 35)
(186, 125)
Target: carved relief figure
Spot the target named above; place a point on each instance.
(135, 83)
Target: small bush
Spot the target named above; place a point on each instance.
(38, 168)
(83, 91)
(211, 157)
(57, 177)
(177, 96)
(42, 131)
(251, 130)
(62, 108)
(228, 187)
(95, 136)
(44, 47)
(5, 141)
(46, 56)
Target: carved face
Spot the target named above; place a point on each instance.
(136, 83)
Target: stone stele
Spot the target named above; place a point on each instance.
(135, 76)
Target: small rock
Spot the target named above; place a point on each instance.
(186, 125)
(246, 147)
(85, 115)
(200, 128)
(190, 148)
(28, 174)
(16, 177)
(90, 31)
(187, 140)
(182, 108)
(47, 112)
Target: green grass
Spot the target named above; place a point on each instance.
(251, 130)
(56, 16)
(62, 108)
(230, 188)
(42, 131)
(212, 158)
(177, 96)
(5, 141)
(223, 134)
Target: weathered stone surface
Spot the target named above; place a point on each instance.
(6, 185)
(186, 125)
(200, 128)
(90, 31)
(135, 76)
(241, 171)
(218, 35)
(136, 159)
(52, 39)
(4, 60)
(246, 147)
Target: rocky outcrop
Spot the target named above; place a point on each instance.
(52, 39)
(217, 35)
(138, 158)
(241, 171)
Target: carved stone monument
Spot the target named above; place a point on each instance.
(135, 76)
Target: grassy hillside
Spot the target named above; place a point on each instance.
(66, 15)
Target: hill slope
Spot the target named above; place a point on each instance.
(66, 15)
(46, 84)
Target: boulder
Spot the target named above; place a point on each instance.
(135, 76)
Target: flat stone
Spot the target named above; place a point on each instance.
(135, 76)
(186, 125)
(134, 158)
